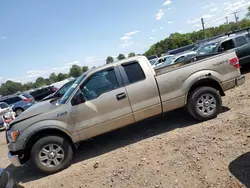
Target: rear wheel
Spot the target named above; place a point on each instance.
(204, 103)
(51, 154)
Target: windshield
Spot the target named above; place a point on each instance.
(3, 105)
(64, 88)
(208, 49)
(71, 89)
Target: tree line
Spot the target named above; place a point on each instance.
(11, 87)
(175, 40)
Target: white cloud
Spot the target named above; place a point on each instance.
(199, 19)
(167, 2)
(151, 38)
(154, 30)
(89, 59)
(131, 33)
(160, 14)
(196, 25)
(2, 38)
(73, 63)
(161, 28)
(171, 22)
(127, 37)
(214, 9)
(1, 78)
(207, 6)
(232, 7)
(126, 44)
(100, 59)
(207, 16)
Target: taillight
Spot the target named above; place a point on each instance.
(26, 100)
(235, 62)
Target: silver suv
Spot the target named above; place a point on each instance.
(19, 102)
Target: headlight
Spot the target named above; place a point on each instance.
(12, 135)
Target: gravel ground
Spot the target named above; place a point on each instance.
(170, 151)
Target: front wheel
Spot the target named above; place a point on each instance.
(51, 154)
(204, 103)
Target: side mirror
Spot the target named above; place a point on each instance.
(78, 99)
(221, 49)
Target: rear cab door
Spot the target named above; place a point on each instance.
(142, 89)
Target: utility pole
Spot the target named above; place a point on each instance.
(227, 20)
(203, 27)
(236, 18)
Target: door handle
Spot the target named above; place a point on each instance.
(121, 96)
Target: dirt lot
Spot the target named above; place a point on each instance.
(171, 151)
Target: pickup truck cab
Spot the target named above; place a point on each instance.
(240, 43)
(113, 96)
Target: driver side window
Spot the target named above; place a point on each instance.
(99, 83)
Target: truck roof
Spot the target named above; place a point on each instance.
(115, 64)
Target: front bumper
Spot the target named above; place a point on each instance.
(14, 159)
(240, 81)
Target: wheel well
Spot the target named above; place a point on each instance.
(207, 83)
(43, 133)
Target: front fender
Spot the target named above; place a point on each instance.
(24, 137)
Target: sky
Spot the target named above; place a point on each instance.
(43, 36)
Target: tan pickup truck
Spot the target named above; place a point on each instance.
(113, 96)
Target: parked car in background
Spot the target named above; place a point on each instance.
(18, 102)
(152, 57)
(240, 43)
(41, 93)
(7, 181)
(61, 91)
(6, 115)
(163, 60)
(181, 58)
(113, 96)
(153, 61)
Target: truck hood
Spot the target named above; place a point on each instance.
(35, 110)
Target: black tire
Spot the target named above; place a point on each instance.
(56, 140)
(193, 100)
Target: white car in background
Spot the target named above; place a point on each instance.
(162, 60)
(6, 115)
(179, 58)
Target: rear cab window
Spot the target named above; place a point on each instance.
(134, 72)
(228, 45)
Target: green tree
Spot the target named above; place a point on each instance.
(121, 56)
(27, 86)
(248, 14)
(10, 87)
(85, 69)
(53, 77)
(75, 71)
(132, 54)
(40, 81)
(61, 77)
(109, 60)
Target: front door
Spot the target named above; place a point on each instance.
(105, 106)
